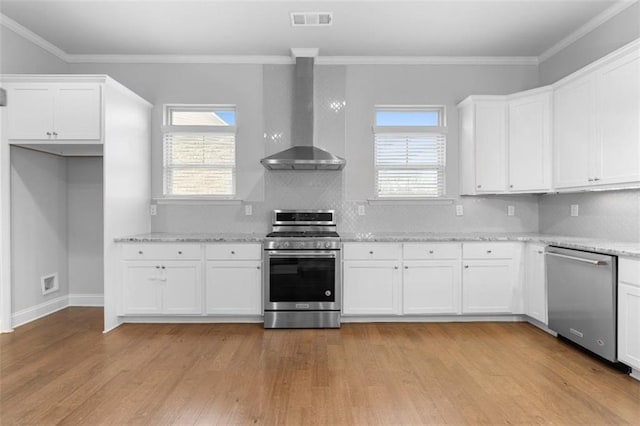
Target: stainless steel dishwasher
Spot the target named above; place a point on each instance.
(582, 292)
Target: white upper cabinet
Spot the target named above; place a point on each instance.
(54, 111)
(573, 137)
(483, 133)
(529, 141)
(618, 118)
(597, 123)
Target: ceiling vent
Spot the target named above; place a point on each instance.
(311, 19)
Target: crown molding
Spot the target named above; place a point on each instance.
(33, 37)
(427, 60)
(585, 29)
(180, 59)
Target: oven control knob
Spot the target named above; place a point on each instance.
(327, 244)
(285, 244)
(327, 293)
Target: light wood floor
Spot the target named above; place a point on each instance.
(62, 369)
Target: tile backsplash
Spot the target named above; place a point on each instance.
(324, 190)
(613, 215)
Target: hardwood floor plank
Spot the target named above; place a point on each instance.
(63, 370)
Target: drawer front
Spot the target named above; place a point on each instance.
(161, 251)
(237, 251)
(629, 271)
(426, 251)
(488, 250)
(372, 251)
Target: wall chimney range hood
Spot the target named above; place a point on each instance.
(303, 155)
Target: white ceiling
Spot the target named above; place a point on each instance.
(262, 27)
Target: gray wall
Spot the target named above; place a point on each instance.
(616, 32)
(20, 56)
(38, 225)
(85, 225)
(263, 96)
(611, 215)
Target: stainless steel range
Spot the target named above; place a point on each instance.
(302, 274)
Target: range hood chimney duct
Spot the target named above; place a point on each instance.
(303, 155)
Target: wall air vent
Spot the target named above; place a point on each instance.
(311, 19)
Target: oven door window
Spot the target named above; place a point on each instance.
(302, 279)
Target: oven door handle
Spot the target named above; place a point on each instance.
(297, 254)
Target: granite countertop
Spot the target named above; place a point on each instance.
(618, 248)
(167, 237)
(590, 244)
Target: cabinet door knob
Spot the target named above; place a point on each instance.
(257, 267)
(179, 252)
(595, 179)
(139, 251)
(162, 267)
(466, 266)
(233, 252)
(430, 251)
(590, 179)
(395, 267)
(479, 186)
(371, 252)
(48, 133)
(510, 186)
(488, 251)
(406, 267)
(157, 267)
(540, 252)
(55, 134)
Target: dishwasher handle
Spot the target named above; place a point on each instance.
(579, 259)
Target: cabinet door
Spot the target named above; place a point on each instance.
(77, 112)
(234, 288)
(618, 106)
(30, 112)
(431, 287)
(487, 286)
(536, 285)
(573, 133)
(371, 288)
(182, 287)
(142, 288)
(530, 143)
(629, 325)
(490, 146)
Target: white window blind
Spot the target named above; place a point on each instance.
(199, 152)
(410, 165)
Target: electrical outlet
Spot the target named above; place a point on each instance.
(511, 210)
(153, 209)
(248, 209)
(361, 210)
(574, 209)
(459, 210)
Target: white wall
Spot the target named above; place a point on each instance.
(85, 225)
(38, 225)
(20, 56)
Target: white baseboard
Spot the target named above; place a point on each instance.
(33, 313)
(86, 300)
(635, 374)
(434, 318)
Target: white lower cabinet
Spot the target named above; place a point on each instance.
(431, 287)
(234, 287)
(629, 313)
(162, 287)
(535, 292)
(490, 279)
(371, 287)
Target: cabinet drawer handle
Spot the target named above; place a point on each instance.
(540, 252)
(488, 251)
(162, 267)
(55, 134)
(590, 179)
(48, 133)
(430, 251)
(371, 252)
(406, 267)
(139, 251)
(479, 186)
(157, 267)
(595, 179)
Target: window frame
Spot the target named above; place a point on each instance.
(439, 130)
(221, 130)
